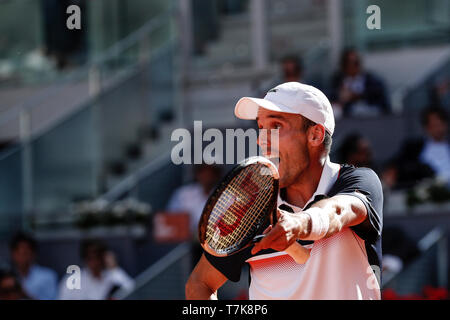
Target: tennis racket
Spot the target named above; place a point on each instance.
(240, 207)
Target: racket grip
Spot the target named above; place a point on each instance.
(298, 253)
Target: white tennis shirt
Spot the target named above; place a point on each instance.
(344, 266)
(338, 267)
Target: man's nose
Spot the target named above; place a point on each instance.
(264, 139)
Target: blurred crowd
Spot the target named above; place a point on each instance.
(353, 92)
(99, 278)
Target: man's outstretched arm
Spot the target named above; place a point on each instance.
(204, 281)
(341, 211)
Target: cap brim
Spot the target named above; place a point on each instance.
(247, 108)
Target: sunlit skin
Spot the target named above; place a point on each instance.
(23, 257)
(95, 262)
(436, 127)
(301, 153)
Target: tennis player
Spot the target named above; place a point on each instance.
(333, 209)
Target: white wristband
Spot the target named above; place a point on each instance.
(320, 223)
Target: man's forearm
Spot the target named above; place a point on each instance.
(341, 212)
(199, 291)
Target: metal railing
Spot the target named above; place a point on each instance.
(68, 158)
(163, 280)
(104, 71)
(429, 268)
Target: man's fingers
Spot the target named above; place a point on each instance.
(267, 230)
(266, 242)
(278, 214)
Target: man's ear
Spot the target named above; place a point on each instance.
(316, 135)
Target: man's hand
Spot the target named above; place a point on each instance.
(343, 210)
(285, 232)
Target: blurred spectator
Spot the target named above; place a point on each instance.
(100, 278)
(38, 282)
(10, 288)
(440, 93)
(62, 44)
(398, 250)
(356, 91)
(436, 148)
(191, 198)
(291, 70)
(356, 150)
(423, 157)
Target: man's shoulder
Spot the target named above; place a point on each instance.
(188, 189)
(351, 174)
(348, 169)
(44, 272)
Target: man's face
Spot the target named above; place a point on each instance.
(23, 254)
(436, 127)
(291, 71)
(292, 147)
(94, 260)
(207, 177)
(352, 65)
(9, 290)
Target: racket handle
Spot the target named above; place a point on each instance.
(298, 252)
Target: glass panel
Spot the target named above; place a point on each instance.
(21, 32)
(11, 195)
(85, 124)
(64, 164)
(221, 34)
(37, 48)
(402, 23)
(427, 92)
(295, 26)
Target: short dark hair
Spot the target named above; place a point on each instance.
(349, 146)
(92, 244)
(22, 237)
(295, 60)
(440, 112)
(327, 140)
(345, 54)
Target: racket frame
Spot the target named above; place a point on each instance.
(269, 209)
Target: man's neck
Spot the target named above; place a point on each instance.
(24, 270)
(300, 192)
(437, 140)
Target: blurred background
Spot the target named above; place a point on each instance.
(86, 118)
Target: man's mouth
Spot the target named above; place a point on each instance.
(275, 160)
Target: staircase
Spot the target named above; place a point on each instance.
(82, 136)
(294, 27)
(224, 72)
(430, 268)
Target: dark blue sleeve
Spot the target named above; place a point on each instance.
(230, 266)
(364, 184)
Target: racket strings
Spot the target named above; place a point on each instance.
(257, 209)
(252, 215)
(238, 209)
(228, 203)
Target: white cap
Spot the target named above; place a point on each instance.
(291, 97)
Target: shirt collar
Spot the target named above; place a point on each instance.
(328, 177)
